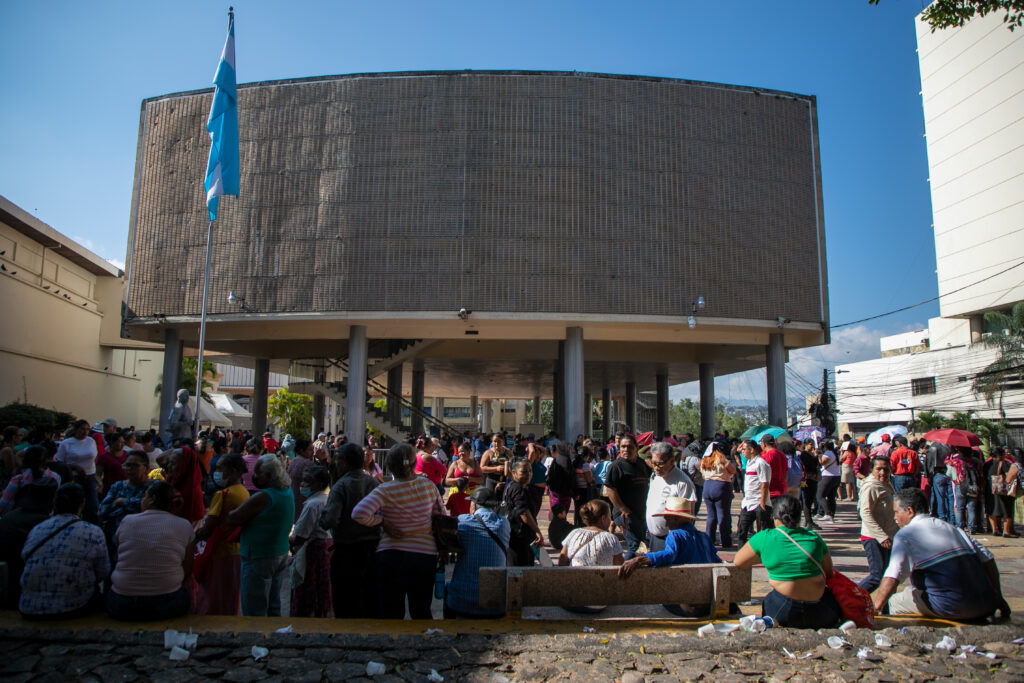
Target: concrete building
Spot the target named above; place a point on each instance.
(972, 90)
(60, 341)
(490, 236)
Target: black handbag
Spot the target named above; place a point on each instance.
(446, 535)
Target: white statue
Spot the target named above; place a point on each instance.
(181, 421)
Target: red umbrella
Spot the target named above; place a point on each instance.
(953, 437)
(645, 439)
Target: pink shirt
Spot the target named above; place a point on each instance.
(431, 467)
(408, 505)
(150, 548)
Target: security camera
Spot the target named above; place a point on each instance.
(234, 298)
(464, 313)
(782, 321)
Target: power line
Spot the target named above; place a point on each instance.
(926, 301)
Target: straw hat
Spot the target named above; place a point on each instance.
(677, 507)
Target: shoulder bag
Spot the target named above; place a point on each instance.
(222, 534)
(493, 536)
(854, 602)
(446, 535)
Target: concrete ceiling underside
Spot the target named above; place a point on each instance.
(524, 369)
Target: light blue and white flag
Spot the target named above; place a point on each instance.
(222, 168)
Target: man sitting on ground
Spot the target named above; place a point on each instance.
(951, 575)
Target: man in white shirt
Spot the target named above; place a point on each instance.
(756, 505)
(668, 481)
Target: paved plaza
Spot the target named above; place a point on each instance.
(629, 644)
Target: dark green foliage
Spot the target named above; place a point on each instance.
(951, 13)
(31, 416)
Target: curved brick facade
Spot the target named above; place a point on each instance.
(495, 191)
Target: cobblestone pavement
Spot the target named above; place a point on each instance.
(32, 654)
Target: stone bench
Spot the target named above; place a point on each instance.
(517, 587)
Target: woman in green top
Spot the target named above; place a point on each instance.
(266, 520)
(798, 563)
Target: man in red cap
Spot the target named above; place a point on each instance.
(906, 466)
(884, 449)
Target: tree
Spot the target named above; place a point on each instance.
(1008, 338)
(953, 13)
(927, 420)
(961, 421)
(31, 417)
(293, 413)
(187, 377)
(988, 431)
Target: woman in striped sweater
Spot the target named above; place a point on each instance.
(407, 556)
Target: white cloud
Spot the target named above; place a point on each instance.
(116, 262)
(803, 371)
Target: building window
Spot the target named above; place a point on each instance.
(922, 385)
(456, 413)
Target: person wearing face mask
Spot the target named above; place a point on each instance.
(311, 563)
(217, 570)
(154, 558)
(125, 496)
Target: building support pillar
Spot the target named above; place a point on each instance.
(558, 409)
(394, 411)
(631, 406)
(487, 424)
(355, 398)
(438, 408)
(474, 403)
(706, 372)
(171, 378)
(588, 413)
(775, 355)
(258, 405)
(606, 412)
(661, 403)
(573, 387)
(319, 402)
(417, 397)
(536, 410)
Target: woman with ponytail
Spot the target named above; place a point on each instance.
(798, 563)
(717, 468)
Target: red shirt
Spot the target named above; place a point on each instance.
(778, 485)
(431, 467)
(905, 461)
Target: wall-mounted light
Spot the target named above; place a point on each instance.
(782, 321)
(697, 305)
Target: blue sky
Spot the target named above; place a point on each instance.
(73, 75)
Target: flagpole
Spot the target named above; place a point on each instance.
(202, 330)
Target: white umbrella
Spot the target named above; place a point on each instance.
(875, 437)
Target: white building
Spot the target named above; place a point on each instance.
(972, 89)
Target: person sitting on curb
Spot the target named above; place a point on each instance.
(485, 535)
(683, 545)
(951, 575)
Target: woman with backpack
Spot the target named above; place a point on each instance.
(965, 472)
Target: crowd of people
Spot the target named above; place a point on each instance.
(222, 524)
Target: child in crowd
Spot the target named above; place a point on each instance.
(559, 527)
(458, 500)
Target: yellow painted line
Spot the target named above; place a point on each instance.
(267, 625)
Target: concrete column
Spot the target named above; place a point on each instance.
(355, 399)
(536, 410)
(661, 404)
(318, 425)
(707, 400)
(258, 405)
(775, 355)
(417, 397)
(487, 424)
(572, 359)
(631, 406)
(558, 412)
(606, 411)
(588, 413)
(172, 376)
(438, 408)
(473, 403)
(395, 389)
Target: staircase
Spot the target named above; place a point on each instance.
(408, 349)
(337, 391)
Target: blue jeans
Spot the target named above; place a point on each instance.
(718, 501)
(942, 498)
(975, 509)
(878, 560)
(905, 481)
(823, 613)
(261, 585)
(634, 532)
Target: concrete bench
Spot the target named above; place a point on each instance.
(516, 587)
